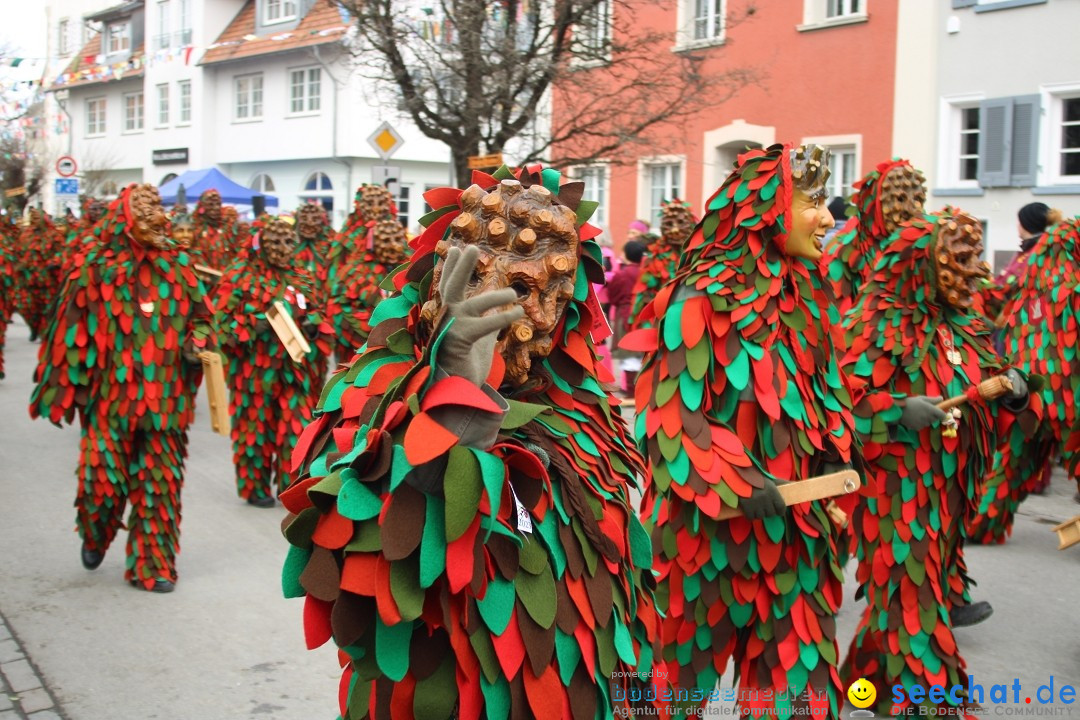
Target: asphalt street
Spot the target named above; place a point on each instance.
(226, 644)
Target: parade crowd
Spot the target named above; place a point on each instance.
(813, 384)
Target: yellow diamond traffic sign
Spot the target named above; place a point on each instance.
(385, 140)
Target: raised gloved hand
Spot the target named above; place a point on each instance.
(763, 502)
(469, 343)
(921, 412)
(1017, 399)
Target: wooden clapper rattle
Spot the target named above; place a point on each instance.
(288, 333)
(214, 373)
(844, 482)
(207, 271)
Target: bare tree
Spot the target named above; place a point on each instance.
(19, 168)
(95, 170)
(479, 74)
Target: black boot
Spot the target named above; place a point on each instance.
(159, 586)
(261, 502)
(91, 559)
(973, 614)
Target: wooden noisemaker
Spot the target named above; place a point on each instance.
(288, 333)
(820, 487)
(214, 373)
(990, 389)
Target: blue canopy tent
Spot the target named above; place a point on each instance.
(196, 182)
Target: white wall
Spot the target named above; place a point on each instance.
(115, 150)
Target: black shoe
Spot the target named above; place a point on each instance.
(159, 586)
(91, 559)
(973, 614)
(261, 502)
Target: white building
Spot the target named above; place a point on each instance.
(262, 89)
(1005, 111)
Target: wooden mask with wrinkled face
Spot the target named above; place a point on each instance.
(148, 221)
(958, 256)
(528, 242)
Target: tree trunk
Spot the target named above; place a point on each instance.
(460, 159)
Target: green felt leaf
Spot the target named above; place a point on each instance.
(521, 414)
(808, 654)
(624, 645)
(433, 542)
(366, 538)
(568, 652)
(493, 474)
(537, 594)
(640, 544)
(392, 647)
(485, 654)
(436, 695)
(496, 698)
(463, 488)
(405, 587)
(295, 562)
(300, 530)
(356, 502)
(497, 605)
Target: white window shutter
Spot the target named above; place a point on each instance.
(995, 142)
(1025, 140)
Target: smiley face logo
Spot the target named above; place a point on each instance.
(862, 693)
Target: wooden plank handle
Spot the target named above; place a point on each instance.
(214, 374)
(288, 333)
(990, 389)
(205, 270)
(844, 482)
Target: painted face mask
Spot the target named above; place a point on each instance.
(276, 242)
(95, 211)
(958, 257)
(903, 193)
(676, 222)
(528, 242)
(148, 221)
(183, 232)
(310, 220)
(809, 219)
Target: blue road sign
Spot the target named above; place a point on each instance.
(67, 186)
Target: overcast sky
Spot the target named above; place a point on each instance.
(22, 28)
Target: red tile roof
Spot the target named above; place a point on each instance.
(323, 24)
(85, 68)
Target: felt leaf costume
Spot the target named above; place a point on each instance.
(495, 582)
(907, 337)
(662, 257)
(210, 240)
(312, 254)
(1043, 322)
(115, 354)
(42, 246)
(886, 196)
(8, 285)
(271, 396)
(741, 387)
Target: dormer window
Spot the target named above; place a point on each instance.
(119, 37)
(277, 11)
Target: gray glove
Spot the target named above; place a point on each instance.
(921, 412)
(1016, 400)
(764, 502)
(469, 344)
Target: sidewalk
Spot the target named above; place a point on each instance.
(23, 695)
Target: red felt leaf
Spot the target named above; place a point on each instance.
(359, 574)
(545, 693)
(460, 557)
(303, 443)
(426, 440)
(442, 196)
(316, 622)
(455, 390)
(510, 647)
(333, 531)
(295, 499)
(384, 598)
(643, 340)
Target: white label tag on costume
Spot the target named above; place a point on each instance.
(524, 520)
(300, 301)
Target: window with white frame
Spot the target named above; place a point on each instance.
(665, 184)
(592, 35)
(163, 40)
(262, 183)
(427, 207)
(958, 164)
(1067, 148)
(402, 202)
(248, 92)
(119, 37)
(185, 22)
(967, 157)
(595, 178)
(163, 104)
(276, 11)
(95, 116)
(63, 32)
(184, 86)
(318, 188)
(708, 19)
(133, 112)
(844, 170)
(305, 90)
(842, 8)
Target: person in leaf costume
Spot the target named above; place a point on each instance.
(741, 391)
(313, 239)
(272, 395)
(1041, 328)
(129, 325)
(913, 333)
(9, 279)
(42, 248)
(662, 257)
(889, 195)
(462, 524)
(370, 246)
(210, 233)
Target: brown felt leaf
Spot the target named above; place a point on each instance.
(351, 618)
(322, 576)
(403, 524)
(505, 553)
(539, 643)
(598, 586)
(427, 652)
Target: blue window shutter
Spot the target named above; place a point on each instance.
(957, 4)
(1024, 162)
(995, 142)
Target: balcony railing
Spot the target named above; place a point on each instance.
(180, 38)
